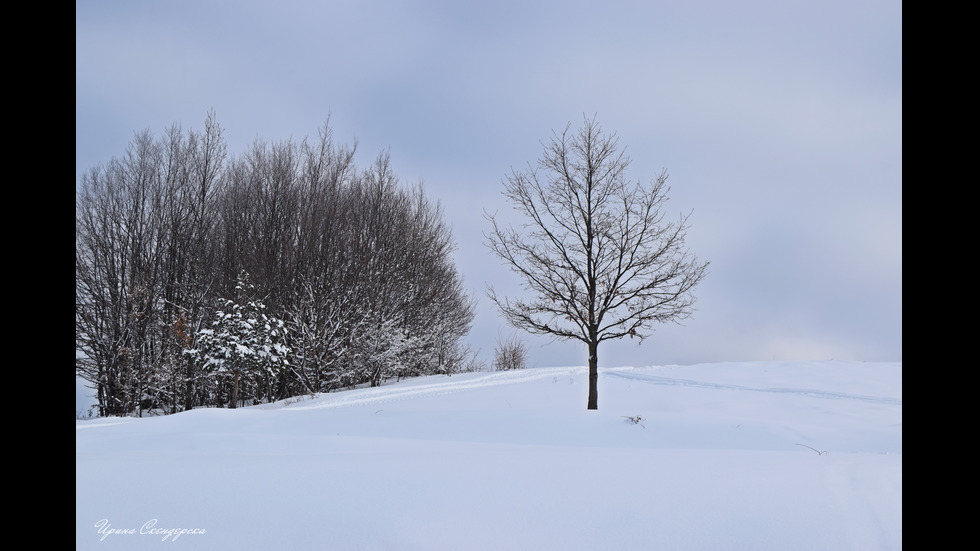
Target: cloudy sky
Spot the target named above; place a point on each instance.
(779, 122)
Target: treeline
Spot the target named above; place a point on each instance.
(174, 235)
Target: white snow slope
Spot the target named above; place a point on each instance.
(725, 456)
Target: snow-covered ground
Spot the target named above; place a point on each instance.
(740, 455)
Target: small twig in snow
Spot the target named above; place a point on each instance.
(635, 420)
(814, 449)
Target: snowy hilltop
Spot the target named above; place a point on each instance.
(738, 455)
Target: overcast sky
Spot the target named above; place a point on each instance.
(779, 122)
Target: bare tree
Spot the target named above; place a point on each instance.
(510, 353)
(597, 255)
(143, 264)
(345, 256)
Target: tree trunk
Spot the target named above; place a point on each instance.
(234, 392)
(189, 387)
(593, 375)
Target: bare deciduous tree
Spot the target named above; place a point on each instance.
(510, 353)
(336, 252)
(597, 255)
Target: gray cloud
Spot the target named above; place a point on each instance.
(779, 122)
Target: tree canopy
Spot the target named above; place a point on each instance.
(334, 251)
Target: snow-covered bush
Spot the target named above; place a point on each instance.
(380, 350)
(243, 342)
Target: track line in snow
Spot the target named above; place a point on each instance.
(98, 425)
(398, 393)
(656, 380)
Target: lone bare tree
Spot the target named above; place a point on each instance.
(596, 254)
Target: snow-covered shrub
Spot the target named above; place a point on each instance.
(243, 342)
